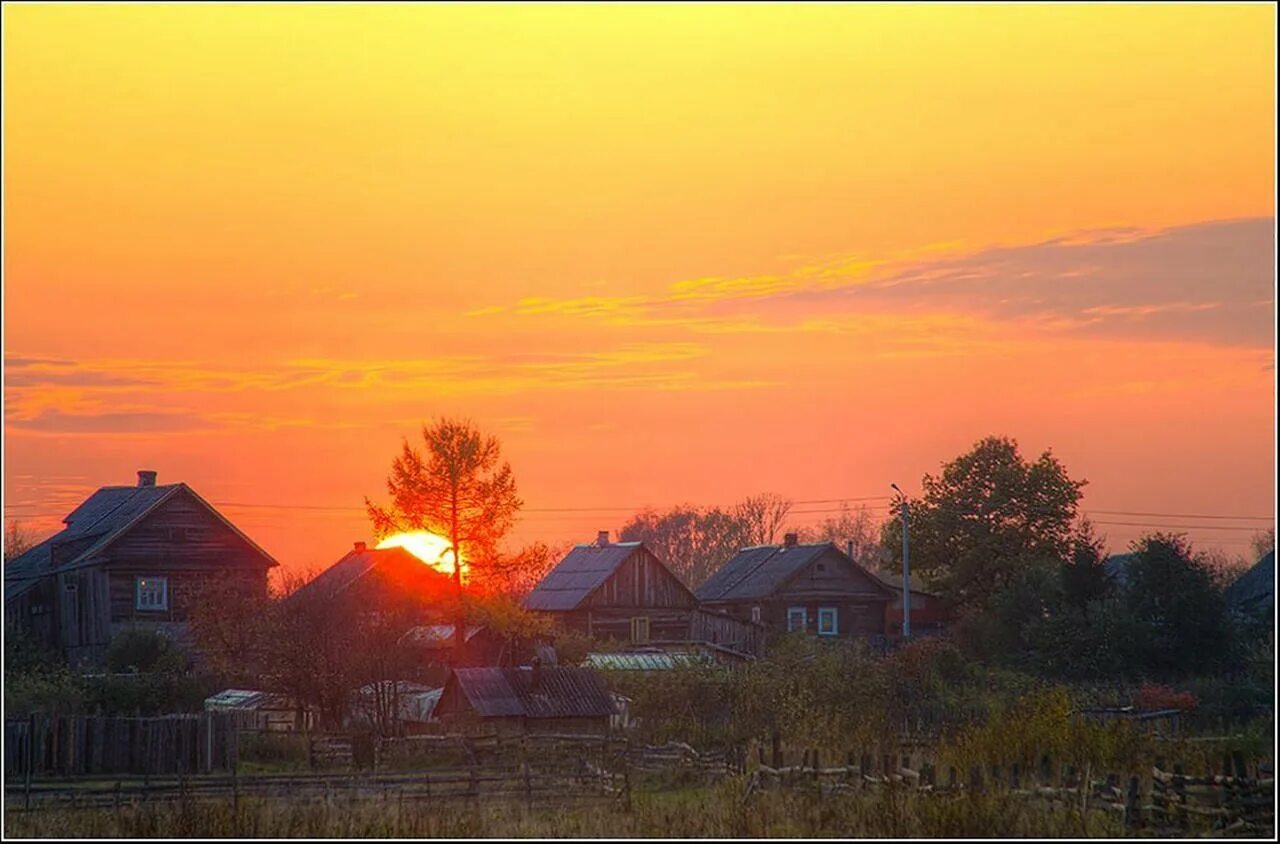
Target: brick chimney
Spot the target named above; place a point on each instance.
(789, 540)
(360, 547)
(146, 477)
(602, 538)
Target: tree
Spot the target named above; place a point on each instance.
(16, 540)
(761, 517)
(850, 525)
(1084, 575)
(460, 489)
(694, 542)
(986, 517)
(1262, 543)
(1177, 607)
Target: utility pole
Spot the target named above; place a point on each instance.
(906, 566)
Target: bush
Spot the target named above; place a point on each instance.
(145, 652)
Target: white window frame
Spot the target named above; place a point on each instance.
(755, 614)
(640, 622)
(804, 619)
(152, 602)
(832, 613)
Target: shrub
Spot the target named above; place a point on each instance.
(145, 652)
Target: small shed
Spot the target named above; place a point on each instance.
(258, 710)
(526, 699)
(394, 706)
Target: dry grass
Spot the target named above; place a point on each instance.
(688, 813)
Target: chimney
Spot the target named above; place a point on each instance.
(146, 477)
(535, 682)
(360, 546)
(849, 549)
(602, 538)
(789, 540)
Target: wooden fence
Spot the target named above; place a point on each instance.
(70, 745)
(1156, 802)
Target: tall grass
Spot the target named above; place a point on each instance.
(693, 813)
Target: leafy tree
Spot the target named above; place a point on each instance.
(460, 489)
(1178, 609)
(986, 517)
(1262, 543)
(1084, 575)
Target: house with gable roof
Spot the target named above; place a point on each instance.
(128, 557)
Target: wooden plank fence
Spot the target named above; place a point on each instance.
(71, 745)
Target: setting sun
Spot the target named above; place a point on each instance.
(431, 548)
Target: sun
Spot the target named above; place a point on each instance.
(429, 547)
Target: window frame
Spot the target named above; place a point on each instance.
(146, 582)
(638, 622)
(756, 614)
(832, 613)
(804, 619)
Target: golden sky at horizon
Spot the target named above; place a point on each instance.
(666, 253)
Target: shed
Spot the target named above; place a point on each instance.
(261, 710)
(527, 699)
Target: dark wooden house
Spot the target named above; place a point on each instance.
(622, 591)
(378, 580)
(930, 615)
(813, 588)
(529, 699)
(129, 557)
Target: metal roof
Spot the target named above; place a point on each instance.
(1256, 587)
(643, 660)
(247, 699)
(435, 635)
(579, 574)
(506, 692)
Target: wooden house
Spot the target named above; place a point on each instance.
(623, 591)
(534, 698)
(378, 580)
(129, 557)
(929, 613)
(794, 587)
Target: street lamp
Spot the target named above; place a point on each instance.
(906, 568)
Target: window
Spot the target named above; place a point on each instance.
(152, 593)
(797, 619)
(755, 614)
(828, 621)
(640, 629)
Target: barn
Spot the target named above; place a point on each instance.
(129, 557)
(793, 587)
(533, 698)
(623, 591)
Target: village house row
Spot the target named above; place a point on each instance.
(137, 556)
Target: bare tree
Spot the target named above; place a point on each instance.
(762, 517)
(17, 540)
(856, 525)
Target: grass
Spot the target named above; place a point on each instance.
(697, 812)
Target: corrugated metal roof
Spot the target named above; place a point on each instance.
(643, 660)
(435, 635)
(579, 574)
(247, 699)
(561, 692)
(96, 523)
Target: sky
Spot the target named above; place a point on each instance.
(667, 254)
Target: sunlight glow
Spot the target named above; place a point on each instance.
(431, 548)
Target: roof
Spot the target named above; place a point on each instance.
(1117, 567)
(644, 660)
(435, 635)
(894, 582)
(507, 692)
(100, 520)
(248, 699)
(1256, 588)
(757, 571)
(354, 565)
(579, 574)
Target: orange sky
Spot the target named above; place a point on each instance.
(666, 253)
